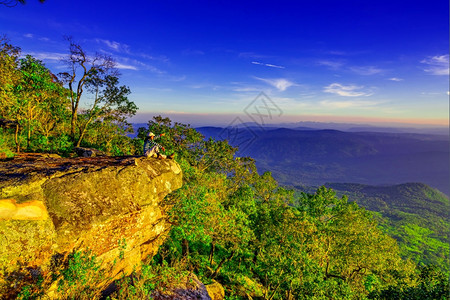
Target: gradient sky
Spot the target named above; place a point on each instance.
(355, 61)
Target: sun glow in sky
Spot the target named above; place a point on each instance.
(361, 61)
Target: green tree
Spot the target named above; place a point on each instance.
(348, 246)
(37, 93)
(9, 77)
(111, 104)
(82, 70)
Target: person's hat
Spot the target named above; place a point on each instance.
(151, 134)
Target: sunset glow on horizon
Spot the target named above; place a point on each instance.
(330, 61)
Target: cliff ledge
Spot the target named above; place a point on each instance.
(112, 206)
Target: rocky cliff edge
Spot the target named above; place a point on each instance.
(112, 206)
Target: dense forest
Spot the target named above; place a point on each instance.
(231, 224)
(415, 214)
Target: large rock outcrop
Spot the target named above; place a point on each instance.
(111, 206)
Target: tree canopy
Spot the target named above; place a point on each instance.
(53, 112)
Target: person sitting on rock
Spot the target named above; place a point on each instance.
(152, 148)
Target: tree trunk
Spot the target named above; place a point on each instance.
(211, 254)
(29, 118)
(274, 291)
(225, 259)
(73, 121)
(185, 248)
(16, 138)
(28, 135)
(81, 137)
(83, 131)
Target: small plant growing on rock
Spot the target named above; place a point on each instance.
(80, 276)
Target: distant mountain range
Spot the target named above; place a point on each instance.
(350, 127)
(311, 157)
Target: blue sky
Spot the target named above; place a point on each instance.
(206, 61)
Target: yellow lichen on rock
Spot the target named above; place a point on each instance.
(215, 291)
(7, 209)
(31, 210)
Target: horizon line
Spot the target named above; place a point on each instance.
(227, 118)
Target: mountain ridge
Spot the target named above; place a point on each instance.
(314, 157)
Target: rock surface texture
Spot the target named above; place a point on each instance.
(112, 206)
(188, 287)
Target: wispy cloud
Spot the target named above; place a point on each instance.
(332, 64)
(432, 93)
(213, 87)
(248, 89)
(252, 55)
(437, 65)
(177, 78)
(162, 58)
(33, 36)
(346, 90)
(267, 65)
(280, 83)
(116, 46)
(348, 104)
(48, 55)
(125, 67)
(366, 70)
(126, 63)
(134, 64)
(395, 79)
(340, 64)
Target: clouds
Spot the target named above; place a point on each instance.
(366, 70)
(48, 55)
(436, 65)
(348, 104)
(346, 90)
(341, 65)
(126, 59)
(395, 79)
(125, 67)
(280, 84)
(267, 65)
(248, 89)
(252, 55)
(116, 46)
(32, 36)
(332, 64)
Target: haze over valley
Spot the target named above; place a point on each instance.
(312, 157)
